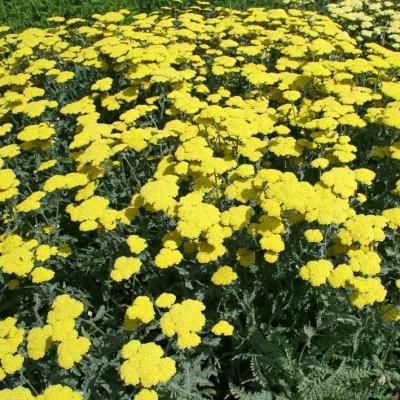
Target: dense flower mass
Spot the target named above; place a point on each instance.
(52, 392)
(167, 178)
(60, 328)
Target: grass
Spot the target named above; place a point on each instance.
(22, 14)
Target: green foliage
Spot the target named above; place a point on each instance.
(342, 355)
(33, 13)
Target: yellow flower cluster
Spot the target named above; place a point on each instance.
(365, 290)
(60, 328)
(313, 235)
(141, 311)
(10, 338)
(366, 262)
(68, 181)
(224, 276)
(146, 394)
(145, 365)
(136, 244)
(316, 272)
(16, 255)
(124, 268)
(195, 217)
(392, 216)
(167, 257)
(340, 276)
(165, 300)
(52, 392)
(369, 19)
(159, 194)
(41, 131)
(31, 203)
(21, 257)
(222, 328)
(363, 229)
(184, 320)
(8, 184)
(93, 213)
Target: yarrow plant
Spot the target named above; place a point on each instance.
(193, 200)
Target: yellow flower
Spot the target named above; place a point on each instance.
(13, 284)
(31, 203)
(167, 258)
(340, 276)
(11, 363)
(272, 242)
(366, 262)
(393, 217)
(40, 131)
(56, 19)
(341, 180)
(91, 212)
(165, 300)
(10, 151)
(237, 217)
(146, 394)
(320, 163)
(145, 365)
(45, 165)
(159, 194)
(390, 312)
(364, 229)
(124, 268)
(136, 244)
(368, 291)
(39, 341)
(195, 217)
(291, 95)
(64, 306)
(56, 392)
(224, 276)
(10, 337)
(185, 320)
(17, 393)
(245, 257)
(71, 351)
(16, 255)
(285, 146)
(64, 250)
(222, 328)
(391, 89)
(110, 17)
(102, 84)
(313, 235)
(316, 272)
(68, 181)
(8, 184)
(361, 197)
(44, 252)
(364, 175)
(5, 128)
(141, 309)
(64, 76)
(41, 274)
